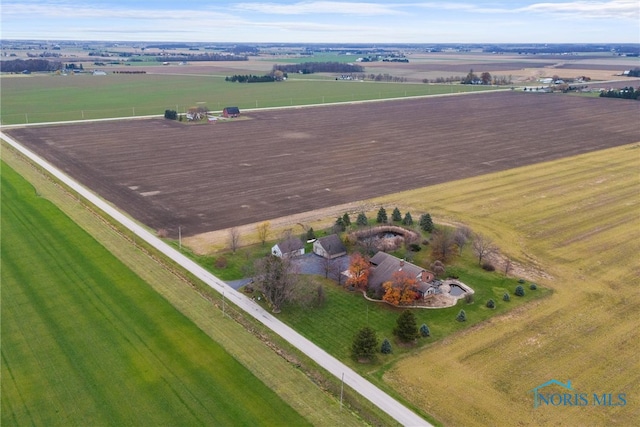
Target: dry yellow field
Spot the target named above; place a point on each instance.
(575, 224)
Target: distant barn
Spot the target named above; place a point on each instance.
(231, 112)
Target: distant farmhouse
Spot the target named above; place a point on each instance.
(230, 112)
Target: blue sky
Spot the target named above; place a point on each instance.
(370, 21)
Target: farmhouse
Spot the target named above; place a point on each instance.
(329, 247)
(230, 112)
(384, 265)
(289, 248)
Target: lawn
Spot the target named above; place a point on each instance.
(49, 97)
(86, 342)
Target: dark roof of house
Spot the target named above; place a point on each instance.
(384, 265)
(332, 244)
(232, 110)
(290, 245)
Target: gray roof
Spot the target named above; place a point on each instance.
(291, 244)
(384, 265)
(332, 244)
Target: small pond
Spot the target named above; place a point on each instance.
(456, 290)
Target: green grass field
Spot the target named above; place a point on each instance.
(48, 98)
(86, 342)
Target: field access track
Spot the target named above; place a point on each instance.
(274, 163)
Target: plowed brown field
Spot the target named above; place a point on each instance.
(281, 162)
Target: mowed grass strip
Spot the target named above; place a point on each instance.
(48, 98)
(86, 342)
(577, 220)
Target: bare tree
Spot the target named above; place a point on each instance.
(275, 277)
(234, 239)
(443, 245)
(263, 231)
(507, 266)
(461, 237)
(483, 247)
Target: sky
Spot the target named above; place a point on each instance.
(367, 21)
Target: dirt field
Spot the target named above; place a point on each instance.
(284, 162)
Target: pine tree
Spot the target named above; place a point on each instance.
(311, 234)
(386, 347)
(396, 215)
(340, 224)
(462, 316)
(362, 219)
(346, 219)
(506, 297)
(382, 216)
(426, 223)
(424, 331)
(406, 329)
(491, 304)
(365, 344)
(519, 291)
(407, 219)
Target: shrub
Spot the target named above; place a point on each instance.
(468, 298)
(414, 247)
(488, 266)
(491, 304)
(521, 281)
(386, 347)
(170, 114)
(533, 287)
(424, 331)
(462, 316)
(519, 291)
(221, 262)
(506, 297)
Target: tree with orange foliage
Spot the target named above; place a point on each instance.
(358, 271)
(401, 289)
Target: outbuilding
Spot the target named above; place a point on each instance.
(289, 248)
(329, 247)
(230, 112)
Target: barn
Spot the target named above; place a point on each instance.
(230, 112)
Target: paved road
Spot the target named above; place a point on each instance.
(328, 362)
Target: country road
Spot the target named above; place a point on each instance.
(382, 400)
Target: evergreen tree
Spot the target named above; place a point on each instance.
(424, 331)
(406, 329)
(339, 225)
(426, 223)
(362, 219)
(365, 344)
(407, 219)
(396, 215)
(491, 304)
(382, 216)
(519, 291)
(462, 316)
(386, 347)
(346, 219)
(311, 234)
(506, 297)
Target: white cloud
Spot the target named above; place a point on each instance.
(620, 9)
(320, 7)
